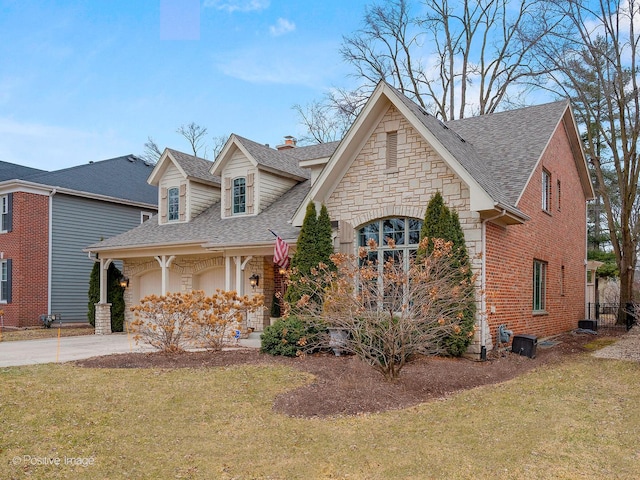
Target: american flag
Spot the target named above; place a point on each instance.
(281, 253)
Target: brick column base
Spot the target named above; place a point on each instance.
(103, 318)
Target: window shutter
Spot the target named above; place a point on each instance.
(345, 231)
(392, 150)
(227, 197)
(9, 280)
(183, 202)
(163, 205)
(250, 193)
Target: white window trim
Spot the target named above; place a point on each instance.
(144, 216)
(233, 196)
(169, 190)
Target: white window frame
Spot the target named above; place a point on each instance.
(540, 270)
(4, 281)
(173, 204)
(239, 191)
(4, 211)
(546, 191)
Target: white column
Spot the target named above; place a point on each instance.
(238, 262)
(165, 263)
(104, 267)
(227, 273)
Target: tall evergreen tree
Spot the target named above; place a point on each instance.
(314, 246)
(441, 222)
(324, 245)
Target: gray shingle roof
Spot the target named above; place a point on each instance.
(122, 177)
(312, 152)
(196, 168)
(210, 228)
(12, 171)
(499, 150)
(278, 160)
(510, 143)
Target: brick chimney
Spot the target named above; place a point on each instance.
(289, 142)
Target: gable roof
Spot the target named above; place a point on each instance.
(121, 177)
(280, 162)
(209, 230)
(12, 171)
(494, 155)
(511, 158)
(192, 168)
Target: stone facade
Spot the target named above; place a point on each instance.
(370, 190)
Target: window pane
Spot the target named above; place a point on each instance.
(4, 284)
(539, 285)
(414, 231)
(368, 232)
(394, 228)
(239, 195)
(174, 204)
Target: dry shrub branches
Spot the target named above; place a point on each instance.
(171, 322)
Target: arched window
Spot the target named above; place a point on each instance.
(405, 233)
(239, 195)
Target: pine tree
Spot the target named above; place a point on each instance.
(314, 246)
(324, 244)
(441, 222)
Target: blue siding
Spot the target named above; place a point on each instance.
(78, 222)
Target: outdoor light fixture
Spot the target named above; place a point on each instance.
(254, 280)
(124, 282)
(282, 271)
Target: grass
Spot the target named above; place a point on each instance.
(36, 333)
(575, 420)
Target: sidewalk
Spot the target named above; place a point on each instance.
(30, 352)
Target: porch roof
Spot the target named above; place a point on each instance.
(213, 232)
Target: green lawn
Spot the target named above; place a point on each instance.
(577, 420)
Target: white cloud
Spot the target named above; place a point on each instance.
(309, 65)
(238, 5)
(282, 27)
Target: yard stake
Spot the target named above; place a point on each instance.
(58, 348)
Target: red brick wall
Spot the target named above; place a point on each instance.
(27, 245)
(557, 237)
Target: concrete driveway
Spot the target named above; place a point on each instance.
(29, 352)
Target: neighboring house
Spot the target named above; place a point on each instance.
(47, 220)
(518, 180)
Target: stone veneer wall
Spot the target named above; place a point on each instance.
(370, 191)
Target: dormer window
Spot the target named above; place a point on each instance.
(173, 204)
(239, 195)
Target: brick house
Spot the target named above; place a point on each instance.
(518, 180)
(47, 220)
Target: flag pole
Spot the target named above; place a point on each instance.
(273, 233)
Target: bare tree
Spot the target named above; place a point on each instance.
(152, 152)
(459, 57)
(194, 134)
(594, 51)
(386, 314)
(218, 144)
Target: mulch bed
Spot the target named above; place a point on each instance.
(346, 386)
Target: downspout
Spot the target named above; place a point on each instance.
(483, 282)
(50, 251)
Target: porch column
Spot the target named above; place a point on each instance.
(227, 273)
(238, 261)
(165, 263)
(103, 309)
(103, 319)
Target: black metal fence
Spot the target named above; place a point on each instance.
(612, 315)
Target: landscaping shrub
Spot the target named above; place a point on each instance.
(287, 336)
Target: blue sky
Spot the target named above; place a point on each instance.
(89, 80)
